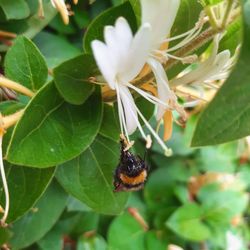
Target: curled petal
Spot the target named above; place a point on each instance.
(137, 54)
(165, 94)
(161, 15)
(118, 39)
(212, 66)
(129, 108)
(106, 66)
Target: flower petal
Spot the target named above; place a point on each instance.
(118, 39)
(137, 55)
(106, 66)
(213, 65)
(161, 15)
(129, 109)
(164, 92)
(123, 33)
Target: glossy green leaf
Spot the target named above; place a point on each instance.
(57, 50)
(25, 64)
(87, 222)
(53, 240)
(71, 79)
(15, 9)
(186, 221)
(51, 131)
(89, 177)
(26, 185)
(108, 17)
(10, 107)
(187, 16)
(75, 205)
(91, 243)
(34, 225)
(110, 126)
(125, 233)
(227, 117)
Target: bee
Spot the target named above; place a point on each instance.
(131, 172)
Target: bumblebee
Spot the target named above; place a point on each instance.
(132, 171)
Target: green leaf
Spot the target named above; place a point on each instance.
(91, 243)
(110, 127)
(153, 241)
(10, 107)
(89, 177)
(34, 225)
(53, 240)
(51, 131)
(108, 17)
(227, 117)
(186, 221)
(76, 205)
(232, 37)
(26, 185)
(71, 79)
(87, 222)
(15, 9)
(5, 235)
(25, 64)
(57, 50)
(160, 188)
(35, 24)
(220, 158)
(221, 206)
(125, 233)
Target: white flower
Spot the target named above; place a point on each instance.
(233, 241)
(161, 15)
(216, 67)
(120, 59)
(62, 8)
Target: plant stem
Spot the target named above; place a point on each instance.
(15, 86)
(7, 34)
(230, 5)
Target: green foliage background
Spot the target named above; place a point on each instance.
(61, 155)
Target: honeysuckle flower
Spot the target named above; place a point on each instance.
(120, 59)
(233, 241)
(62, 9)
(161, 15)
(216, 67)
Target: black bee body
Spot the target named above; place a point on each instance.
(131, 173)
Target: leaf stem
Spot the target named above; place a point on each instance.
(5, 82)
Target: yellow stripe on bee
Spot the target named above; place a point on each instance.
(134, 180)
